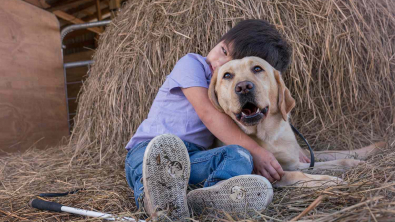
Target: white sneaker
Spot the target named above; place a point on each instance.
(166, 170)
(241, 195)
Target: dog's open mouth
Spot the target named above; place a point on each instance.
(251, 114)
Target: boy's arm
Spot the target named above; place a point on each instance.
(223, 127)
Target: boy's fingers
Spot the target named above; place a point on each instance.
(278, 168)
(267, 176)
(273, 172)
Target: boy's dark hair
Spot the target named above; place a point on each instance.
(254, 37)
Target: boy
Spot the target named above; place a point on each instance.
(165, 164)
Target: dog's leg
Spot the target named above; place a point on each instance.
(299, 179)
(341, 165)
(361, 153)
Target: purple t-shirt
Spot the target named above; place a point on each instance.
(171, 112)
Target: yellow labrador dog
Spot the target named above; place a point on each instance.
(254, 95)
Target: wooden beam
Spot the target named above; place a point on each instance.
(74, 20)
(68, 4)
(115, 4)
(91, 17)
(81, 7)
(98, 10)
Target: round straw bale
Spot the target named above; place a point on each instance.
(341, 74)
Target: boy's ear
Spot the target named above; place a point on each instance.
(285, 101)
(212, 95)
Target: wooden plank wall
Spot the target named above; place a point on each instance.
(32, 94)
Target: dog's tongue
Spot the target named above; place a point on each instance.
(246, 112)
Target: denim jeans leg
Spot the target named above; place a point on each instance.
(219, 164)
(134, 169)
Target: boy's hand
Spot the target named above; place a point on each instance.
(265, 164)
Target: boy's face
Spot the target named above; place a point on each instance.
(218, 56)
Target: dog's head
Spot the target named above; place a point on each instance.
(250, 90)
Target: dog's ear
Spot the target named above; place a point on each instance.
(285, 101)
(211, 92)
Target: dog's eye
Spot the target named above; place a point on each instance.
(227, 76)
(257, 69)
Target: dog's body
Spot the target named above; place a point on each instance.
(254, 95)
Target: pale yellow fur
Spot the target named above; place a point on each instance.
(274, 132)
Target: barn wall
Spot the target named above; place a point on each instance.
(32, 94)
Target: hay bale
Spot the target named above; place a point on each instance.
(340, 76)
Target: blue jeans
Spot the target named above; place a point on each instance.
(208, 166)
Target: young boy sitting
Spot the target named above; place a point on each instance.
(170, 147)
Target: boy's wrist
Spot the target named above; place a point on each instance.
(255, 149)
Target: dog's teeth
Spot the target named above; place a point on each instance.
(258, 111)
(243, 114)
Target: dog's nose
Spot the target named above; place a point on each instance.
(244, 87)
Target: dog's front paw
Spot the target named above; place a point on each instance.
(350, 163)
(324, 180)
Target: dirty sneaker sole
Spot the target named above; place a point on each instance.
(166, 170)
(241, 195)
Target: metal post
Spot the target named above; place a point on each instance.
(63, 34)
(71, 28)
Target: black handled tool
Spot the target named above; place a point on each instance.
(53, 206)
